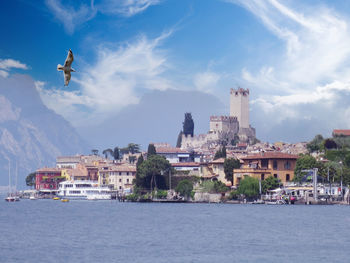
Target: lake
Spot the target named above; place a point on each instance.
(109, 231)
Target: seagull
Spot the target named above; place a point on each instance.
(67, 69)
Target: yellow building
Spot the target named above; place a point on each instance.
(214, 169)
(80, 172)
(265, 164)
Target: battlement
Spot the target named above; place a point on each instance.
(236, 92)
(223, 118)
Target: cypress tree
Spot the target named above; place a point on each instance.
(188, 124)
(151, 150)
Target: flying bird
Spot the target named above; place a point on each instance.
(67, 67)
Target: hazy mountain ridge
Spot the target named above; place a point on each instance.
(30, 133)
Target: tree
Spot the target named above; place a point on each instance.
(229, 165)
(316, 144)
(133, 148)
(139, 160)
(184, 188)
(179, 140)
(270, 183)
(151, 150)
(30, 179)
(188, 124)
(304, 162)
(330, 144)
(221, 153)
(249, 187)
(235, 140)
(107, 152)
(153, 173)
(94, 151)
(116, 154)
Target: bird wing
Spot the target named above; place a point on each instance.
(66, 78)
(69, 59)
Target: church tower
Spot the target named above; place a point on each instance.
(239, 106)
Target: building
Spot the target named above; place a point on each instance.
(214, 170)
(119, 177)
(47, 179)
(265, 164)
(225, 128)
(176, 155)
(340, 133)
(80, 172)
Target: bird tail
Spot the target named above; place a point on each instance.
(59, 67)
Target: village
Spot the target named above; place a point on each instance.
(208, 167)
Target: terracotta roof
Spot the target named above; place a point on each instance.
(270, 155)
(341, 132)
(169, 150)
(242, 145)
(122, 168)
(220, 160)
(184, 164)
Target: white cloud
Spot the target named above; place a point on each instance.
(206, 81)
(114, 81)
(314, 66)
(125, 7)
(72, 17)
(7, 64)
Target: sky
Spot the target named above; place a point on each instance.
(292, 55)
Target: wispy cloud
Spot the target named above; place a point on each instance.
(314, 67)
(7, 64)
(206, 81)
(72, 17)
(117, 79)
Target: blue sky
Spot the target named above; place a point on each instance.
(292, 55)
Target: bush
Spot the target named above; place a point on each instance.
(214, 187)
(233, 195)
(132, 197)
(162, 194)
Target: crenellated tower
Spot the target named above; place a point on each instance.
(239, 106)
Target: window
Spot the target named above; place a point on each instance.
(120, 180)
(287, 165)
(287, 177)
(275, 164)
(264, 163)
(275, 175)
(127, 180)
(262, 177)
(127, 173)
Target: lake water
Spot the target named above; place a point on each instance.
(109, 231)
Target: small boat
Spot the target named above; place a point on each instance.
(56, 198)
(10, 199)
(64, 200)
(32, 197)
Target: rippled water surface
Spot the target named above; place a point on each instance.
(108, 231)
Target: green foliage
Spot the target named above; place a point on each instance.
(316, 144)
(161, 194)
(213, 187)
(132, 197)
(329, 144)
(221, 153)
(184, 188)
(337, 155)
(30, 179)
(192, 194)
(235, 140)
(304, 162)
(153, 173)
(270, 183)
(132, 159)
(94, 151)
(249, 187)
(179, 140)
(107, 152)
(133, 148)
(139, 161)
(151, 150)
(233, 195)
(116, 154)
(188, 124)
(343, 142)
(229, 165)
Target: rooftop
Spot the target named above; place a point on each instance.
(270, 155)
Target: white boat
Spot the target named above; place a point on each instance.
(85, 190)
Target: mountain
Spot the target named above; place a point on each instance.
(31, 134)
(157, 118)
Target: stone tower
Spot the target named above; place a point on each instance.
(239, 106)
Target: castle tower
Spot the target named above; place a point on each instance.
(239, 106)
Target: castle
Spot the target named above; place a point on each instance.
(226, 129)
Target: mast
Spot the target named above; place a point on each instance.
(16, 177)
(9, 176)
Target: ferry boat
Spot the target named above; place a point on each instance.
(85, 190)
